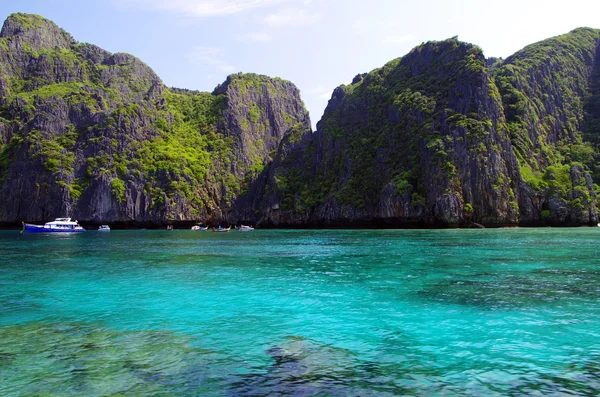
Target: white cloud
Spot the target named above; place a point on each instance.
(210, 58)
(255, 36)
(199, 8)
(292, 17)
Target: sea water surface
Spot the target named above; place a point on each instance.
(504, 312)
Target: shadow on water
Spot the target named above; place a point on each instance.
(506, 292)
(71, 359)
(74, 359)
(580, 379)
(303, 367)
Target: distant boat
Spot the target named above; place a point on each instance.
(104, 228)
(221, 229)
(59, 225)
(244, 228)
(169, 227)
(201, 228)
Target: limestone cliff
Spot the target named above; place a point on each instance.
(429, 139)
(98, 137)
(440, 137)
(546, 91)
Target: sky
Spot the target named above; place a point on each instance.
(316, 44)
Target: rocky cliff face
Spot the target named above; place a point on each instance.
(440, 137)
(546, 89)
(98, 137)
(420, 141)
(430, 139)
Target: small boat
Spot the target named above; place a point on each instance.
(59, 225)
(104, 228)
(169, 227)
(200, 228)
(244, 228)
(221, 229)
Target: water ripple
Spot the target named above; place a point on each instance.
(304, 313)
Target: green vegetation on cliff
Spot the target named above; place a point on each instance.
(87, 118)
(393, 126)
(444, 135)
(549, 93)
(441, 136)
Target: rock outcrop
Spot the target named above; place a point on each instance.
(440, 137)
(444, 137)
(98, 137)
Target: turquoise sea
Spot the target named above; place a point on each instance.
(503, 312)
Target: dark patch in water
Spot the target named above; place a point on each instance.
(511, 292)
(566, 385)
(78, 359)
(97, 358)
(7, 358)
(303, 367)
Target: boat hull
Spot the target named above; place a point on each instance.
(42, 229)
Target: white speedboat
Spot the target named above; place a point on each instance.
(59, 225)
(104, 228)
(244, 228)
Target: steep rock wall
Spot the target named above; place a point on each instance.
(98, 137)
(429, 139)
(420, 141)
(440, 137)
